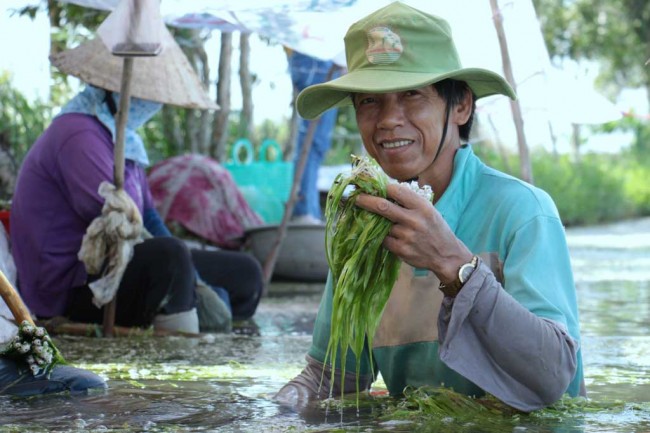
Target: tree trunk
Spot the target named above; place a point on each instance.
(204, 120)
(576, 141)
(54, 14)
(171, 130)
(220, 124)
(56, 46)
(647, 81)
(524, 157)
(551, 132)
(191, 131)
(246, 120)
(197, 124)
(294, 124)
(499, 145)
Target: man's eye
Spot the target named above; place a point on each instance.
(366, 100)
(411, 93)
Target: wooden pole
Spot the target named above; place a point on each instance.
(13, 301)
(272, 257)
(120, 124)
(524, 157)
(62, 326)
(118, 171)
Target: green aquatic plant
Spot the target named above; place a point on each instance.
(363, 271)
(442, 409)
(567, 406)
(33, 347)
(183, 372)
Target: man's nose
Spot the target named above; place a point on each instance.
(391, 114)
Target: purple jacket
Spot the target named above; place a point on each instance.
(55, 200)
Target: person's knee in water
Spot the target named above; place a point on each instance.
(17, 381)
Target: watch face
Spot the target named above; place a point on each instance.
(465, 272)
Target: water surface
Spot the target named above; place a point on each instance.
(224, 382)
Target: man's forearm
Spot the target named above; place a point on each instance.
(487, 336)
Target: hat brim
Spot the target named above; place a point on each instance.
(167, 78)
(315, 100)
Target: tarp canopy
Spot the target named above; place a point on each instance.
(317, 27)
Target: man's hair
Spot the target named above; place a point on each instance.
(453, 92)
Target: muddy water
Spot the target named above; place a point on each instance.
(612, 271)
(224, 382)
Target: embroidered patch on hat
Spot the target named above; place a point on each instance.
(384, 46)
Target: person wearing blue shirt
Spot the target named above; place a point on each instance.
(485, 301)
(305, 71)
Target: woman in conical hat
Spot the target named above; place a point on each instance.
(485, 300)
(57, 198)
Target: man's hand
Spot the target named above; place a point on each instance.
(419, 236)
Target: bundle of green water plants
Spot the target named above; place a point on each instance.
(443, 410)
(33, 347)
(363, 271)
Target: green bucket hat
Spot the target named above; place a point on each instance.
(393, 49)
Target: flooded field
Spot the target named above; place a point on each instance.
(224, 382)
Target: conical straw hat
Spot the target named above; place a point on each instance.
(167, 78)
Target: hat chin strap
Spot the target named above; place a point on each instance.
(442, 140)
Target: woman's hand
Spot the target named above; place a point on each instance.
(419, 236)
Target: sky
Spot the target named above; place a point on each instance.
(25, 43)
(24, 49)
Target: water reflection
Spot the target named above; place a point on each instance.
(150, 405)
(612, 270)
(609, 308)
(224, 382)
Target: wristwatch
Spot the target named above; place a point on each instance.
(464, 272)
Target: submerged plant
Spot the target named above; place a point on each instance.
(442, 409)
(33, 346)
(363, 271)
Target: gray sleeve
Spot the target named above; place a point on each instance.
(524, 360)
(313, 383)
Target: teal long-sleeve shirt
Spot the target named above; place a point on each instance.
(513, 331)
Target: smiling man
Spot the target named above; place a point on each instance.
(485, 301)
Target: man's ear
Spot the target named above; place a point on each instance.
(463, 110)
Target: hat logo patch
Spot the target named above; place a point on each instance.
(384, 46)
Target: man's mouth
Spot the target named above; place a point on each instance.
(393, 144)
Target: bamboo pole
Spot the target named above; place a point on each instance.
(524, 157)
(118, 170)
(62, 326)
(120, 124)
(13, 301)
(272, 257)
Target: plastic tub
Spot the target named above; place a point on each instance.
(302, 254)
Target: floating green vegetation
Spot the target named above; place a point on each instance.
(441, 409)
(135, 372)
(430, 409)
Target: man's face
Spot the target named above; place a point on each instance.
(401, 130)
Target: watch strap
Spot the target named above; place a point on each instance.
(463, 274)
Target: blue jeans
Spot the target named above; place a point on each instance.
(306, 71)
(16, 380)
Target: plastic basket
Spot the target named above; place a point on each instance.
(264, 182)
